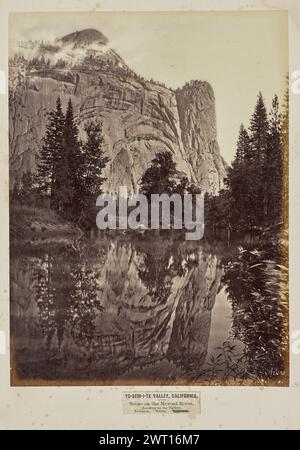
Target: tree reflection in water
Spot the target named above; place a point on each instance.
(142, 309)
(257, 290)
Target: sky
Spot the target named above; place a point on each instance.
(238, 53)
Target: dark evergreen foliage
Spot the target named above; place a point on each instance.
(94, 158)
(70, 171)
(50, 159)
(256, 179)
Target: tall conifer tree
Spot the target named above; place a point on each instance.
(238, 188)
(273, 172)
(69, 176)
(259, 128)
(94, 159)
(50, 157)
(243, 145)
(259, 138)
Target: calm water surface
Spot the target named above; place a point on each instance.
(143, 310)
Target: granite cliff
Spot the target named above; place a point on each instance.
(140, 117)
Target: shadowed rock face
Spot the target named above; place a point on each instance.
(140, 118)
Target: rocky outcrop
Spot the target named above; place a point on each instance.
(197, 117)
(140, 118)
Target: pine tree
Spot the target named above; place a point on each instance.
(257, 182)
(50, 157)
(68, 175)
(259, 130)
(243, 149)
(273, 169)
(259, 138)
(240, 206)
(94, 160)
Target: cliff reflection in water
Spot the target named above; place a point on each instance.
(113, 309)
(146, 311)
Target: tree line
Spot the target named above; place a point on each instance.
(69, 172)
(38, 63)
(255, 195)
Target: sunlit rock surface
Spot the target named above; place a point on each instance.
(140, 118)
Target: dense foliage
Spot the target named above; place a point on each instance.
(256, 185)
(69, 171)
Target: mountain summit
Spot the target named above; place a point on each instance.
(85, 37)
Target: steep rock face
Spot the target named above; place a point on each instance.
(140, 118)
(196, 107)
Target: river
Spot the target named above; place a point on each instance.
(123, 310)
